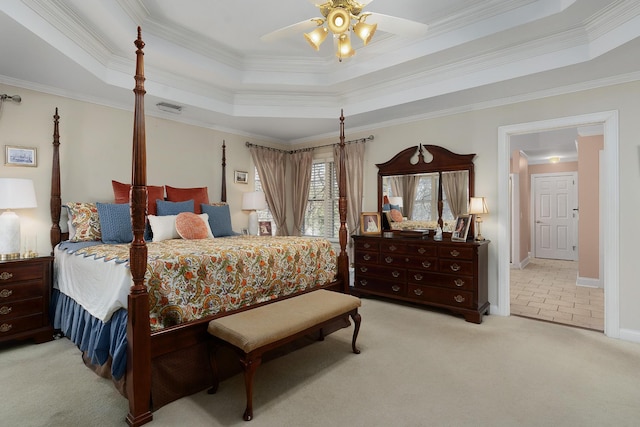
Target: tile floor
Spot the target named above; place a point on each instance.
(546, 289)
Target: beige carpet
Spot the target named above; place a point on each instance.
(417, 368)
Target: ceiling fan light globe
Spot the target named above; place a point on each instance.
(339, 20)
(344, 47)
(365, 31)
(316, 37)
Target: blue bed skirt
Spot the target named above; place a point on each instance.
(98, 339)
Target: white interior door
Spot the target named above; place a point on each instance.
(555, 217)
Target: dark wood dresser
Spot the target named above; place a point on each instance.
(25, 292)
(445, 274)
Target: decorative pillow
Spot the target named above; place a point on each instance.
(387, 207)
(173, 208)
(121, 193)
(191, 226)
(163, 227)
(219, 219)
(115, 222)
(199, 195)
(85, 221)
(396, 215)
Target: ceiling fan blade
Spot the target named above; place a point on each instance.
(396, 25)
(290, 30)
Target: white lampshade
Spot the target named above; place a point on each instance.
(478, 206)
(15, 193)
(253, 202)
(397, 201)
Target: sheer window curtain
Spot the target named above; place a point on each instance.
(454, 184)
(354, 164)
(271, 165)
(301, 164)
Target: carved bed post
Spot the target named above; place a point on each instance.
(343, 258)
(138, 379)
(223, 194)
(55, 203)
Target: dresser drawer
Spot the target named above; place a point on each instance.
(366, 257)
(457, 252)
(380, 286)
(372, 245)
(18, 291)
(17, 272)
(455, 266)
(11, 310)
(419, 277)
(450, 297)
(382, 272)
(393, 247)
(11, 326)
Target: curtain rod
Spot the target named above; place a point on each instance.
(368, 138)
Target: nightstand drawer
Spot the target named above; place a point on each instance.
(16, 272)
(12, 326)
(12, 310)
(19, 291)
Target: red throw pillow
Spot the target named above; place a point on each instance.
(396, 215)
(191, 226)
(154, 192)
(198, 194)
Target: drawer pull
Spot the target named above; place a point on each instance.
(366, 257)
(426, 264)
(392, 248)
(418, 276)
(455, 267)
(5, 310)
(418, 292)
(395, 288)
(364, 269)
(459, 282)
(6, 327)
(388, 260)
(395, 274)
(459, 298)
(5, 275)
(366, 245)
(421, 251)
(5, 293)
(454, 253)
(363, 282)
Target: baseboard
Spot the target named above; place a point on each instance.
(630, 335)
(589, 282)
(522, 264)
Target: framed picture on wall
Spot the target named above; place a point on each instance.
(461, 228)
(20, 156)
(370, 223)
(241, 177)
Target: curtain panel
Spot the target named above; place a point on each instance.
(271, 165)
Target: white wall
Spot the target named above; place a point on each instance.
(96, 148)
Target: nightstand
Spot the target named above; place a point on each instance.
(25, 292)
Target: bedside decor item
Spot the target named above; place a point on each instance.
(265, 228)
(461, 228)
(477, 207)
(15, 193)
(253, 201)
(370, 223)
(20, 156)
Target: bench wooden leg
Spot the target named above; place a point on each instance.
(356, 328)
(250, 365)
(214, 368)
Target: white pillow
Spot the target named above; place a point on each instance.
(164, 227)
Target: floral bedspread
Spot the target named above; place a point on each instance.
(191, 279)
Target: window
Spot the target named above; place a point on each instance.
(322, 218)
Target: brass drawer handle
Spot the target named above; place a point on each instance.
(459, 282)
(395, 288)
(455, 267)
(459, 298)
(388, 260)
(366, 245)
(395, 274)
(5, 293)
(363, 282)
(421, 251)
(426, 264)
(418, 292)
(454, 253)
(6, 327)
(364, 269)
(418, 276)
(392, 248)
(5, 275)
(366, 257)
(5, 310)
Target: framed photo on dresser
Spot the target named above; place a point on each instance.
(461, 228)
(370, 223)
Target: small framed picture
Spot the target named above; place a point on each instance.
(241, 177)
(245, 231)
(20, 156)
(265, 228)
(461, 228)
(370, 223)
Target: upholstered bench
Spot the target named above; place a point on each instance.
(253, 332)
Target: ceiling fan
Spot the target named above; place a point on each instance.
(340, 17)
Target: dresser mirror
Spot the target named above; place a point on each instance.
(423, 187)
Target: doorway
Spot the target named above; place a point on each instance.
(610, 198)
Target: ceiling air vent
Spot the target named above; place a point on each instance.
(169, 108)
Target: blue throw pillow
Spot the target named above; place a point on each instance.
(219, 219)
(165, 207)
(115, 222)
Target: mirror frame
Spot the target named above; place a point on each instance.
(442, 160)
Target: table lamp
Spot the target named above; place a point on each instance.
(15, 193)
(253, 202)
(477, 207)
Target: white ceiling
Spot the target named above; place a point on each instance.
(208, 57)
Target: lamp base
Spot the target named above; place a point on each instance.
(253, 223)
(479, 236)
(9, 236)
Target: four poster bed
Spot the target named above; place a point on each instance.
(158, 341)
